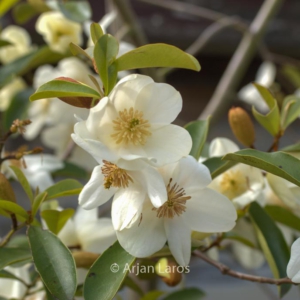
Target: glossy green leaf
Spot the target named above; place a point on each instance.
(78, 51)
(17, 108)
(107, 273)
(236, 237)
(293, 74)
(77, 11)
(187, 293)
(275, 242)
(157, 55)
(291, 148)
(96, 32)
(23, 12)
(290, 110)
(28, 62)
(8, 275)
(4, 43)
(23, 181)
(10, 256)
(277, 163)
(54, 262)
(38, 200)
(270, 121)
(55, 219)
(283, 216)
(218, 166)
(198, 131)
(63, 188)
(153, 295)
(72, 170)
(61, 88)
(6, 5)
(105, 52)
(13, 208)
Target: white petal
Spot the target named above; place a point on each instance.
(266, 74)
(94, 193)
(222, 146)
(144, 237)
(179, 239)
(168, 144)
(293, 267)
(160, 102)
(83, 216)
(127, 203)
(209, 211)
(68, 234)
(45, 162)
(39, 179)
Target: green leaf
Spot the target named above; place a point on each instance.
(218, 166)
(10, 256)
(55, 219)
(54, 262)
(187, 293)
(153, 295)
(78, 51)
(283, 216)
(293, 75)
(38, 200)
(290, 110)
(130, 283)
(6, 6)
(28, 62)
(17, 108)
(101, 282)
(77, 11)
(270, 121)
(236, 237)
(4, 43)
(5, 274)
(157, 55)
(63, 188)
(23, 181)
(275, 242)
(13, 208)
(61, 88)
(72, 170)
(23, 12)
(96, 32)
(277, 163)
(292, 148)
(105, 52)
(198, 131)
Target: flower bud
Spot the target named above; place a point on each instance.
(6, 190)
(241, 126)
(169, 271)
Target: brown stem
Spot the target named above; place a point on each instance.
(274, 146)
(215, 243)
(243, 276)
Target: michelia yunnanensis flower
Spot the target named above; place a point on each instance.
(265, 77)
(189, 206)
(9, 91)
(134, 122)
(242, 183)
(37, 168)
(293, 267)
(20, 40)
(58, 31)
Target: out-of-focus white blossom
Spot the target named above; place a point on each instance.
(293, 267)
(58, 31)
(9, 91)
(20, 40)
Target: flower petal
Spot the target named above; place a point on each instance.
(222, 146)
(293, 267)
(179, 239)
(94, 193)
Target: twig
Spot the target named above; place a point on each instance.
(7, 238)
(274, 146)
(243, 276)
(215, 243)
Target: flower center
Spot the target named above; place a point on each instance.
(114, 176)
(131, 128)
(233, 184)
(175, 205)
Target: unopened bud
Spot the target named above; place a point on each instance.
(6, 190)
(169, 271)
(84, 259)
(241, 126)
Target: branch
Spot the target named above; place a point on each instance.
(243, 276)
(7, 238)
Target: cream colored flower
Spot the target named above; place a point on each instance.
(21, 43)
(58, 31)
(293, 267)
(9, 91)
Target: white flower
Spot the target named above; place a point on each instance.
(133, 122)
(58, 31)
(265, 77)
(37, 169)
(242, 183)
(20, 40)
(190, 205)
(293, 267)
(9, 91)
